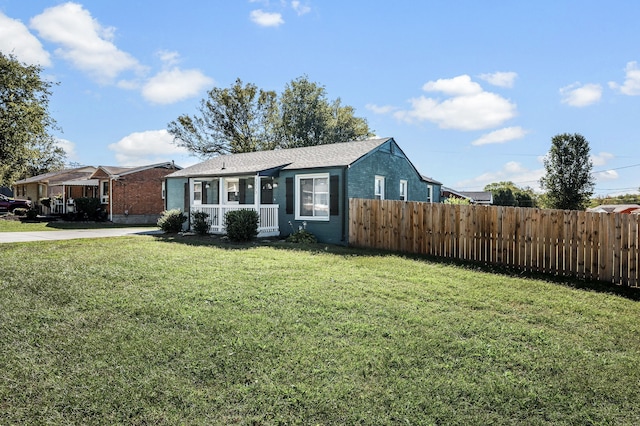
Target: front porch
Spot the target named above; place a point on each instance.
(268, 213)
(218, 195)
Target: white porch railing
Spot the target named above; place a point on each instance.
(268, 226)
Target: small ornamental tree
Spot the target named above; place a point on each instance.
(568, 182)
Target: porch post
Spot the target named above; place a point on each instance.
(257, 192)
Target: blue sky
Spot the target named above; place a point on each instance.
(473, 91)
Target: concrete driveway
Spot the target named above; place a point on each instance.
(71, 234)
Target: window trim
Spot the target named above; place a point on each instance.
(429, 193)
(382, 187)
(404, 184)
(296, 190)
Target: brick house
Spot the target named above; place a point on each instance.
(133, 194)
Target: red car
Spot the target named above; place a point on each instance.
(10, 204)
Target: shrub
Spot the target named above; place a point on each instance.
(200, 224)
(88, 208)
(46, 202)
(20, 211)
(302, 236)
(31, 214)
(172, 220)
(242, 225)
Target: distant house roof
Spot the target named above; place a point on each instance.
(614, 208)
(479, 197)
(113, 171)
(60, 176)
(267, 162)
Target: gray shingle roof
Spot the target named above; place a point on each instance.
(331, 155)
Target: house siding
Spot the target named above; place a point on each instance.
(391, 163)
(331, 231)
(137, 197)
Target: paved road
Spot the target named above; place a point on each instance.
(70, 234)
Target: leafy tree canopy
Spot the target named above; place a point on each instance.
(568, 182)
(243, 118)
(509, 194)
(25, 122)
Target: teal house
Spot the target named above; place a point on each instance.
(305, 187)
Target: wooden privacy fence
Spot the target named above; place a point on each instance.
(592, 246)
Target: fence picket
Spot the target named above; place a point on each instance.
(594, 246)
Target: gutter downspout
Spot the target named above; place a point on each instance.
(110, 200)
(345, 205)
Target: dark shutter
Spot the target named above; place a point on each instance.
(186, 197)
(204, 192)
(289, 195)
(334, 195)
(242, 193)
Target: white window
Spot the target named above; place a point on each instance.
(164, 189)
(197, 193)
(312, 197)
(403, 190)
(429, 193)
(379, 188)
(233, 191)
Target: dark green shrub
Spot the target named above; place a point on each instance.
(46, 202)
(31, 214)
(20, 211)
(88, 208)
(242, 225)
(200, 223)
(302, 236)
(172, 220)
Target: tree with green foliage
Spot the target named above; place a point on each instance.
(25, 122)
(568, 182)
(509, 194)
(241, 118)
(244, 118)
(308, 118)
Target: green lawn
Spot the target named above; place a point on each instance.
(139, 330)
(12, 225)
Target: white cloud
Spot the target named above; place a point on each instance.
(501, 79)
(84, 42)
(380, 109)
(601, 158)
(175, 85)
(511, 171)
(469, 108)
(149, 147)
(69, 148)
(501, 136)
(168, 57)
(607, 175)
(266, 19)
(16, 39)
(300, 8)
(457, 86)
(579, 95)
(631, 85)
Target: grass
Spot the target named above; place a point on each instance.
(11, 223)
(139, 330)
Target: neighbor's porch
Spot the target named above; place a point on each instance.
(218, 195)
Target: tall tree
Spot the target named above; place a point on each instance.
(25, 121)
(244, 118)
(308, 118)
(568, 181)
(238, 119)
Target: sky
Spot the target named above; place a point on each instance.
(472, 91)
